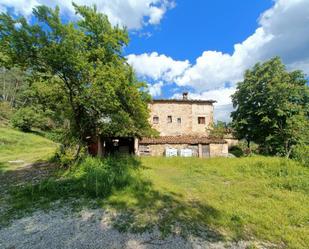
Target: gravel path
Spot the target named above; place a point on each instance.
(90, 229)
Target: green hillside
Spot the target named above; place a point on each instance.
(18, 148)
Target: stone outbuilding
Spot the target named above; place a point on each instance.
(200, 146)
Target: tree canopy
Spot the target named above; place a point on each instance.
(77, 69)
(272, 108)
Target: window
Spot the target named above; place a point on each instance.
(155, 119)
(201, 120)
(178, 120)
(169, 119)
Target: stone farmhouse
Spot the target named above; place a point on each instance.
(182, 125)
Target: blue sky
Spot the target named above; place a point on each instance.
(189, 29)
(201, 46)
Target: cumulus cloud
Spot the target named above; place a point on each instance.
(155, 89)
(223, 107)
(157, 67)
(283, 32)
(133, 14)
(222, 95)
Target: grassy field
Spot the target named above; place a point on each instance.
(254, 198)
(26, 147)
(248, 198)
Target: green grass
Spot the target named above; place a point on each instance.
(254, 198)
(28, 147)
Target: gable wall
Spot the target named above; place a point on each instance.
(188, 112)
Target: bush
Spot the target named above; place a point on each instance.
(301, 154)
(236, 151)
(6, 112)
(99, 176)
(27, 118)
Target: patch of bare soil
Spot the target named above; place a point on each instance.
(92, 228)
(30, 173)
(34, 173)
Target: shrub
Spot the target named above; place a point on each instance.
(26, 118)
(92, 177)
(99, 176)
(69, 154)
(6, 111)
(236, 151)
(301, 154)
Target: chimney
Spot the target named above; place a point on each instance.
(185, 96)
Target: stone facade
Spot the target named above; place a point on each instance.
(159, 149)
(198, 150)
(182, 124)
(175, 118)
(231, 141)
(218, 150)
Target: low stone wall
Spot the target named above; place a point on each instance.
(218, 150)
(211, 150)
(159, 149)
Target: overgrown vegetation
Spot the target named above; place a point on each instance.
(92, 177)
(301, 154)
(28, 118)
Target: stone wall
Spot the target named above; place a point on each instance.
(231, 142)
(211, 150)
(218, 150)
(187, 112)
(159, 149)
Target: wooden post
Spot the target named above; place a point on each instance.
(100, 148)
(136, 151)
(200, 151)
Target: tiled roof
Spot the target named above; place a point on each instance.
(198, 101)
(181, 140)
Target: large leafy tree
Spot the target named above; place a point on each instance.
(272, 107)
(77, 68)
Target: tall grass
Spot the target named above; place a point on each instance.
(91, 178)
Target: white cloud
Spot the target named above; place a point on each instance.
(223, 113)
(283, 32)
(132, 13)
(223, 106)
(157, 67)
(222, 95)
(155, 89)
(20, 6)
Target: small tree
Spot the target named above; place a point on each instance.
(219, 129)
(272, 107)
(26, 118)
